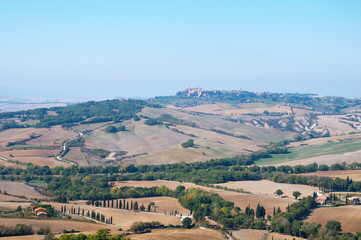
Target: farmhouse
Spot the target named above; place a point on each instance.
(40, 212)
(322, 198)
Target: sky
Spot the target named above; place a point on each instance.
(105, 49)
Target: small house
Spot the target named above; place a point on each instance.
(40, 212)
(322, 199)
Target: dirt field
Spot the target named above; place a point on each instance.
(180, 234)
(37, 157)
(349, 216)
(269, 187)
(53, 136)
(17, 134)
(163, 204)
(124, 218)
(19, 189)
(252, 234)
(8, 198)
(56, 226)
(240, 199)
(352, 174)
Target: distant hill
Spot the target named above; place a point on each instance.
(222, 124)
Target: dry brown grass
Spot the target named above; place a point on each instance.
(252, 234)
(20, 189)
(349, 158)
(240, 199)
(180, 234)
(53, 136)
(8, 198)
(35, 156)
(332, 122)
(352, 174)
(18, 134)
(317, 141)
(56, 226)
(269, 187)
(75, 155)
(246, 108)
(349, 216)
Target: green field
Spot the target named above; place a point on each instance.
(305, 152)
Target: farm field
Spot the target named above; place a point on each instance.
(245, 108)
(20, 189)
(240, 199)
(349, 216)
(334, 124)
(325, 140)
(75, 155)
(53, 136)
(259, 134)
(269, 187)
(139, 138)
(8, 198)
(311, 152)
(180, 234)
(18, 134)
(355, 175)
(35, 156)
(253, 234)
(124, 218)
(163, 204)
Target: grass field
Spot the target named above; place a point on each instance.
(240, 199)
(349, 216)
(75, 155)
(305, 152)
(269, 187)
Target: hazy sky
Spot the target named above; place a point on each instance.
(148, 48)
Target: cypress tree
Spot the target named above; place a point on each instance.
(120, 203)
(62, 209)
(131, 205)
(111, 220)
(127, 205)
(135, 206)
(116, 204)
(124, 203)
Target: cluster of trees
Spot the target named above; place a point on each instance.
(114, 129)
(17, 230)
(122, 204)
(89, 112)
(142, 226)
(102, 234)
(152, 122)
(207, 204)
(188, 144)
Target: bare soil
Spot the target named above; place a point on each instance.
(349, 216)
(20, 189)
(269, 187)
(352, 174)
